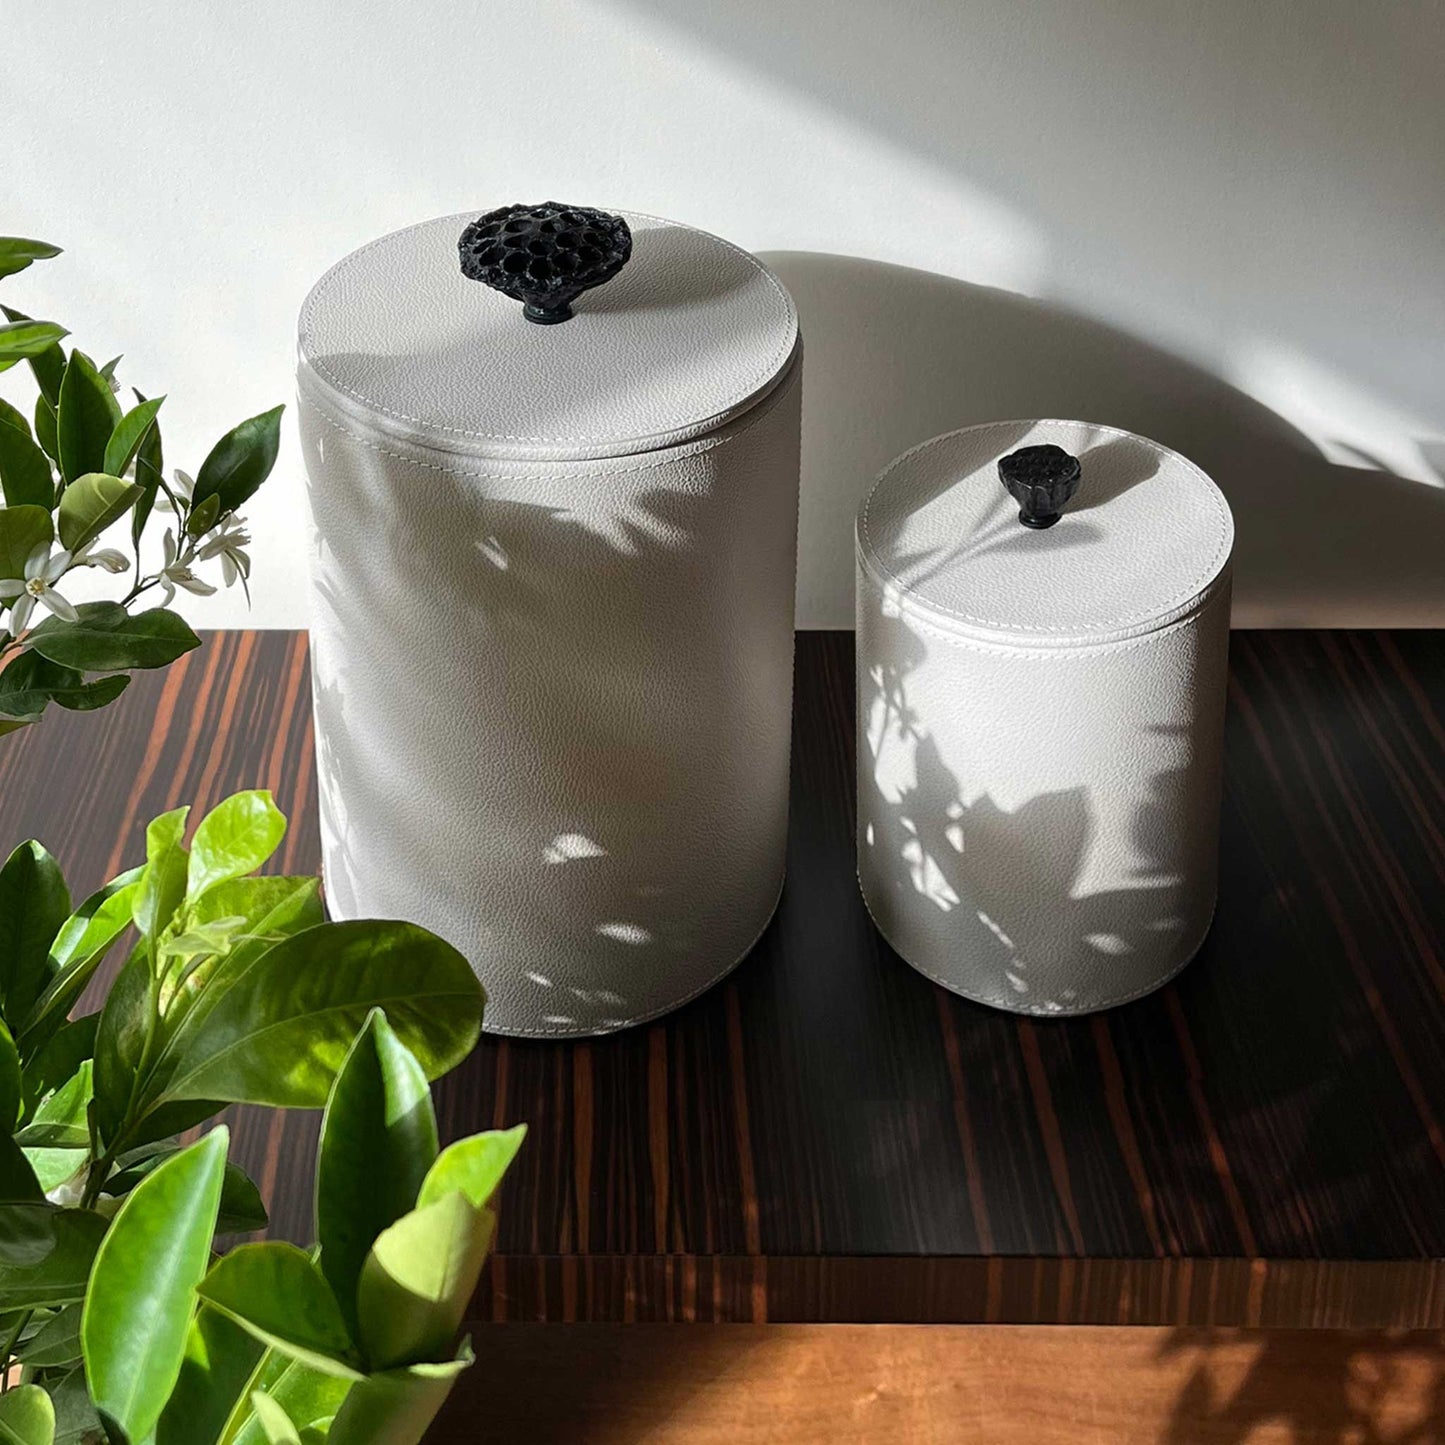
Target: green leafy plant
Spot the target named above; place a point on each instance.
(84, 466)
(116, 1319)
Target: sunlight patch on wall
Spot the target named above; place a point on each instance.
(1352, 427)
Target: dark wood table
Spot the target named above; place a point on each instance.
(827, 1136)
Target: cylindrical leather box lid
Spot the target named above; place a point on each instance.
(1040, 717)
(552, 621)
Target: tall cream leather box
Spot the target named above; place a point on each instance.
(553, 614)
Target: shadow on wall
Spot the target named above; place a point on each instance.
(895, 356)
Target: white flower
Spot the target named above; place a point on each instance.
(177, 571)
(69, 1192)
(183, 485)
(41, 572)
(228, 542)
(106, 557)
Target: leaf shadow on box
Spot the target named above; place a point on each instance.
(561, 718)
(896, 356)
(1007, 884)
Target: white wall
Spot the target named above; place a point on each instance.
(1217, 221)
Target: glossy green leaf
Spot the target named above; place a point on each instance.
(26, 338)
(198, 940)
(274, 1420)
(56, 1343)
(59, 1119)
(163, 885)
(24, 690)
(378, 1139)
(235, 838)
(96, 923)
(220, 1363)
(22, 530)
(34, 902)
(18, 252)
(275, 1292)
(86, 414)
(9, 1081)
(107, 638)
(129, 432)
(58, 1057)
(242, 1210)
(26, 1416)
(48, 367)
(18, 1184)
(45, 429)
(240, 461)
(57, 1138)
(31, 682)
(142, 1289)
(273, 908)
(76, 1422)
(474, 1166)
(204, 516)
(395, 1407)
(418, 1279)
(277, 1033)
(88, 696)
(157, 1125)
(45, 1254)
(125, 1023)
(80, 945)
(24, 469)
(274, 905)
(11, 416)
(304, 1393)
(149, 473)
(90, 504)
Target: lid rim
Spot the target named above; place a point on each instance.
(1033, 643)
(382, 426)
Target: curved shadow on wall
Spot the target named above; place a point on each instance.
(896, 356)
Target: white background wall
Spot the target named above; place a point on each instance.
(1221, 222)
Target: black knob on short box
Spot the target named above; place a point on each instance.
(1041, 480)
(544, 256)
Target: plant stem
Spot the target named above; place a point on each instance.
(95, 1178)
(140, 586)
(9, 1345)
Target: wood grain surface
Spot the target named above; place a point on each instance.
(942, 1385)
(829, 1136)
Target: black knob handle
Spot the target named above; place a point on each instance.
(1041, 480)
(544, 256)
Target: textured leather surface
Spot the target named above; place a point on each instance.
(692, 332)
(553, 705)
(1038, 819)
(1143, 538)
